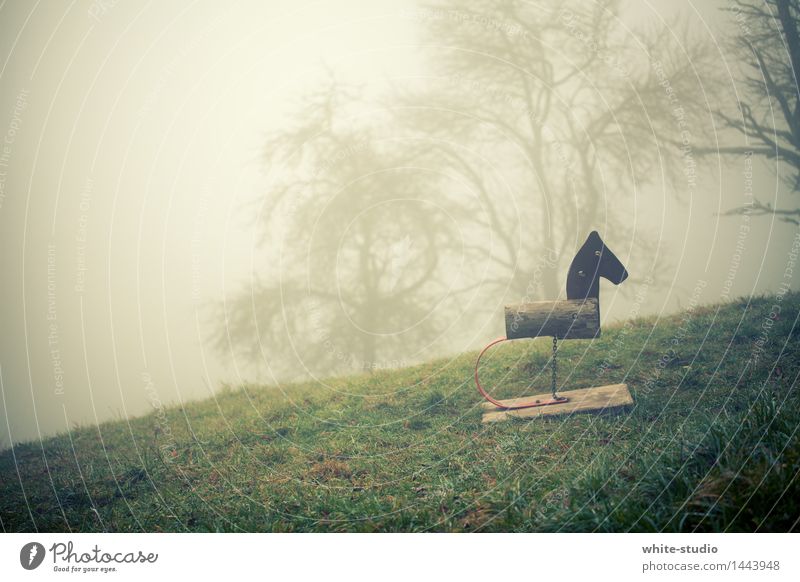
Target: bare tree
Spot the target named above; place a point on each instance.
(561, 102)
(356, 247)
(767, 46)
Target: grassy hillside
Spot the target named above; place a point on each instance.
(711, 444)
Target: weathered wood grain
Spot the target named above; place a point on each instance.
(600, 399)
(567, 319)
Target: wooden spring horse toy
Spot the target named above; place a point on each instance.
(576, 318)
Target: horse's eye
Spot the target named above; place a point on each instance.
(597, 253)
(581, 274)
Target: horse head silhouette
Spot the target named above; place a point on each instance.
(594, 260)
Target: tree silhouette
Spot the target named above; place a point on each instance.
(563, 103)
(767, 47)
(356, 274)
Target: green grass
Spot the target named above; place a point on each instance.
(711, 444)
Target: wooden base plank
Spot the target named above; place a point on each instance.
(598, 399)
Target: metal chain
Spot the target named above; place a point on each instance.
(554, 365)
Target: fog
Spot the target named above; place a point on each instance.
(148, 258)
